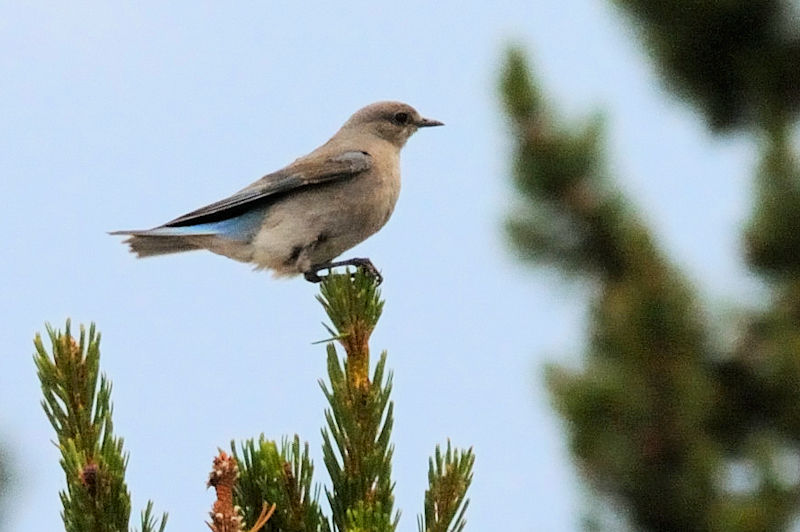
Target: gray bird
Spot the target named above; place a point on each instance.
(300, 218)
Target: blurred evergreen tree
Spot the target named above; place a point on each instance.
(677, 432)
(5, 479)
(735, 60)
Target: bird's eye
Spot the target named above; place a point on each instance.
(401, 118)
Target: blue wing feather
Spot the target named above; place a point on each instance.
(242, 227)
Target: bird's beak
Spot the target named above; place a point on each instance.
(427, 122)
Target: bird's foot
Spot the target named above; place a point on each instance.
(312, 275)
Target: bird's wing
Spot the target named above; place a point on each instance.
(301, 173)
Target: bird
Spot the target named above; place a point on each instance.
(298, 219)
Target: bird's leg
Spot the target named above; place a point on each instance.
(312, 275)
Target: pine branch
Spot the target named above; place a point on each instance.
(356, 447)
(96, 498)
(280, 477)
(225, 517)
(259, 485)
(356, 441)
(369, 517)
(449, 476)
(354, 306)
(149, 523)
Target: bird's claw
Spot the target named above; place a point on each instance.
(368, 267)
(312, 275)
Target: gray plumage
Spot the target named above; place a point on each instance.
(299, 218)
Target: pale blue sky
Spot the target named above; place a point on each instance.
(126, 116)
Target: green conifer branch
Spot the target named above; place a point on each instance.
(96, 498)
(261, 485)
(356, 442)
(356, 447)
(149, 522)
(354, 306)
(280, 476)
(449, 476)
(369, 517)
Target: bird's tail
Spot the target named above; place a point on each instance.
(167, 239)
(149, 245)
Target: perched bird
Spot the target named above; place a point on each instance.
(301, 217)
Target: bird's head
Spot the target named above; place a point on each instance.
(391, 121)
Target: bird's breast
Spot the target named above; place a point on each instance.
(385, 191)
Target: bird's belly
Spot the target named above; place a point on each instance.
(316, 227)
